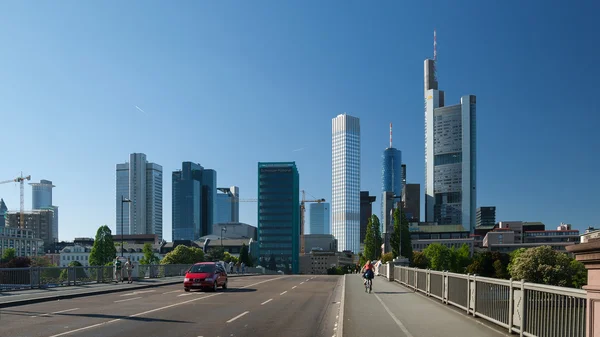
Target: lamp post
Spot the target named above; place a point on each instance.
(123, 200)
(223, 229)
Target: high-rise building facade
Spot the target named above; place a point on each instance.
(450, 156)
(486, 216)
(3, 210)
(319, 218)
(403, 174)
(279, 216)
(228, 206)
(345, 185)
(41, 198)
(193, 203)
(141, 182)
(39, 221)
(366, 210)
(391, 176)
(411, 200)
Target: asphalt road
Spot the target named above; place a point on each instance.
(252, 306)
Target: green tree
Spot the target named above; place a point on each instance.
(215, 254)
(149, 257)
(183, 255)
(9, 254)
(484, 264)
(461, 258)
(79, 272)
(500, 270)
(439, 256)
(245, 256)
(41, 261)
(419, 260)
(396, 236)
(387, 257)
(543, 265)
(103, 250)
(580, 274)
(514, 255)
(373, 239)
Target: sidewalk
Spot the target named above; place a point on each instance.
(28, 296)
(393, 310)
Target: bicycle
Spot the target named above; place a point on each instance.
(369, 285)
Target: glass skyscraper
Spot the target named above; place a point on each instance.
(319, 218)
(279, 216)
(41, 198)
(141, 182)
(228, 205)
(450, 156)
(345, 182)
(193, 203)
(391, 179)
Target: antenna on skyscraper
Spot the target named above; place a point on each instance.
(390, 135)
(434, 55)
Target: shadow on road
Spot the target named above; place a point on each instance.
(244, 290)
(392, 292)
(45, 315)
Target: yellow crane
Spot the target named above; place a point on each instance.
(21, 181)
(302, 210)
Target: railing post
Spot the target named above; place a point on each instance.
(510, 305)
(428, 278)
(474, 297)
(522, 309)
(445, 293)
(416, 279)
(469, 294)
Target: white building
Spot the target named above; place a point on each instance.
(450, 156)
(141, 182)
(81, 253)
(345, 184)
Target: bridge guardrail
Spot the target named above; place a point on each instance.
(529, 309)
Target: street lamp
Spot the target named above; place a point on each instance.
(123, 200)
(223, 229)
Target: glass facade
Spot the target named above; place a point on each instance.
(345, 176)
(41, 194)
(391, 177)
(224, 202)
(279, 216)
(319, 218)
(3, 210)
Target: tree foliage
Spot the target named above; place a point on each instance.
(544, 265)
(149, 257)
(245, 256)
(183, 255)
(400, 237)
(41, 261)
(215, 254)
(484, 264)
(230, 258)
(373, 239)
(103, 250)
(8, 254)
(419, 260)
(79, 272)
(387, 257)
(439, 257)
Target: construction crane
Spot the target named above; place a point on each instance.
(302, 210)
(21, 181)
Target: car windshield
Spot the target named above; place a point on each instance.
(203, 268)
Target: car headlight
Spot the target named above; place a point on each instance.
(186, 279)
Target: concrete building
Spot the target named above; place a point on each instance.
(22, 240)
(366, 210)
(41, 198)
(235, 230)
(81, 253)
(39, 221)
(319, 218)
(411, 201)
(319, 242)
(449, 235)
(403, 175)
(228, 206)
(450, 156)
(486, 216)
(317, 263)
(141, 182)
(231, 245)
(194, 201)
(3, 210)
(279, 216)
(510, 236)
(345, 187)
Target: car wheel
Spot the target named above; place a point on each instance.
(214, 288)
(225, 285)
(186, 289)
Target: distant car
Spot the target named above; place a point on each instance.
(205, 275)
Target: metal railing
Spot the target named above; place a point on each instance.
(529, 309)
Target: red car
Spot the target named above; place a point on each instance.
(205, 275)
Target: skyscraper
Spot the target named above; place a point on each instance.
(279, 216)
(141, 182)
(450, 156)
(366, 210)
(228, 206)
(3, 210)
(486, 216)
(193, 203)
(41, 198)
(391, 177)
(345, 185)
(319, 218)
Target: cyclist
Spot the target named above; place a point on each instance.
(367, 272)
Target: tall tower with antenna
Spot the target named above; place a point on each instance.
(435, 55)
(391, 187)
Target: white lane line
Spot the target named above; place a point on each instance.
(127, 299)
(307, 279)
(60, 312)
(283, 293)
(301, 282)
(294, 287)
(398, 322)
(238, 316)
(153, 310)
(138, 292)
(170, 292)
(267, 301)
(340, 331)
(183, 295)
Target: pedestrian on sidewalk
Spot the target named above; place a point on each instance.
(129, 269)
(118, 271)
(243, 268)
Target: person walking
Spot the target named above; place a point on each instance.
(118, 271)
(129, 269)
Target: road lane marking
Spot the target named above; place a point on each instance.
(398, 322)
(127, 299)
(301, 282)
(58, 312)
(238, 316)
(153, 310)
(138, 292)
(283, 293)
(294, 287)
(267, 301)
(307, 279)
(340, 331)
(170, 292)
(183, 295)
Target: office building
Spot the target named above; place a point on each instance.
(366, 210)
(486, 216)
(345, 185)
(318, 262)
(141, 182)
(450, 156)
(411, 201)
(279, 216)
(39, 221)
(194, 191)
(235, 230)
(22, 240)
(41, 198)
(228, 206)
(3, 210)
(319, 242)
(403, 175)
(319, 218)
(389, 202)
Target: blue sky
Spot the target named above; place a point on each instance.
(227, 84)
